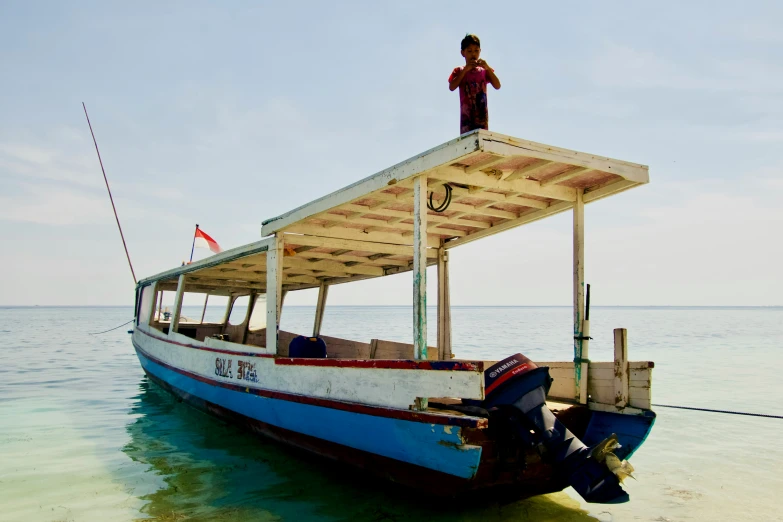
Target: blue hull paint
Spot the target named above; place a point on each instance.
(436, 447)
(631, 430)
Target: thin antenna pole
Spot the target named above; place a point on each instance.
(110, 197)
(194, 244)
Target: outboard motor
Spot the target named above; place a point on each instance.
(516, 389)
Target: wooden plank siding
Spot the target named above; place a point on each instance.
(600, 383)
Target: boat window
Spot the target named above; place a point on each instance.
(216, 308)
(258, 317)
(239, 310)
(164, 305)
(192, 308)
(145, 306)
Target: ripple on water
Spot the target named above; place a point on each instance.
(84, 436)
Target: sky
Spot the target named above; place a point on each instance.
(229, 113)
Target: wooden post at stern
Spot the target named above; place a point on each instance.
(274, 292)
(580, 363)
(621, 378)
(420, 275)
(174, 326)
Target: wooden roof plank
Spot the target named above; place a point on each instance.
(443, 154)
(529, 217)
(565, 176)
(495, 143)
(527, 170)
(485, 164)
(345, 233)
(361, 245)
(521, 186)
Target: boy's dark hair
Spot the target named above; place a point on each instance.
(470, 39)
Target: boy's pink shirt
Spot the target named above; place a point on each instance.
(472, 99)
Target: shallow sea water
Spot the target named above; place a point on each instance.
(85, 436)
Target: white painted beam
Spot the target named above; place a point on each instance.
(444, 306)
(528, 217)
(520, 186)
(420, 268)
(495, 143)
(323, 290)
(484, 164)
(350, 244)
(578, 290)
(367, 235)
(274, 292)
(528, 170)
(177, 305)
(565, 176)
(447, 153)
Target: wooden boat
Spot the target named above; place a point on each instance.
(405, 411)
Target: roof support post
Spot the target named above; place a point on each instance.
(204, 310)
(274, 292)
(444, 306)
(323, 290)
(420, 274)
(174, 326)
(580, 348)
(160, 302)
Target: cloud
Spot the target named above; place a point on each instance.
(56, 180)
(622, 66)
(714, 247)
(43, 162)
(625, 67)
(53, 206)
(757, 31)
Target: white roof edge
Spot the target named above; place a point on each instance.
(504, 145)
(449, 152)
(445, 153)
(217, 259)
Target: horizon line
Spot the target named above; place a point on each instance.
(429, 306)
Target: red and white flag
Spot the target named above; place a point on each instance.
(203, 240)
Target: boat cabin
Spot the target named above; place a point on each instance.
(406, 218)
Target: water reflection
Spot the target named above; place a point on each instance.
(204, 469)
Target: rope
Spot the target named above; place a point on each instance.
(719, 411)
(109, 330)
(446, 201)
(116, 217)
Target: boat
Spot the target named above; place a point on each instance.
(407, 412)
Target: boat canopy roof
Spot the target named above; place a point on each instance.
(496, 182)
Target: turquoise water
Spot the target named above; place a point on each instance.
(85, 436)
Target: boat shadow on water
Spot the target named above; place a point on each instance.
(208, 470)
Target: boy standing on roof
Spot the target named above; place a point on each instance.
(472, 81)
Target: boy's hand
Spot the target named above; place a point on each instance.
(482, 63)
(472, 64)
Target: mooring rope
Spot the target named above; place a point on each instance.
(719, 411)
(116, 217)
(109, 330)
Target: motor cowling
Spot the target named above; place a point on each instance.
(516, 389)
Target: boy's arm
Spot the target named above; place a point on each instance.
(455, 80)
(491, 76)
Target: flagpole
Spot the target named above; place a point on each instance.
(194, 244)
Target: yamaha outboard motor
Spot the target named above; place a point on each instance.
(516, 389)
